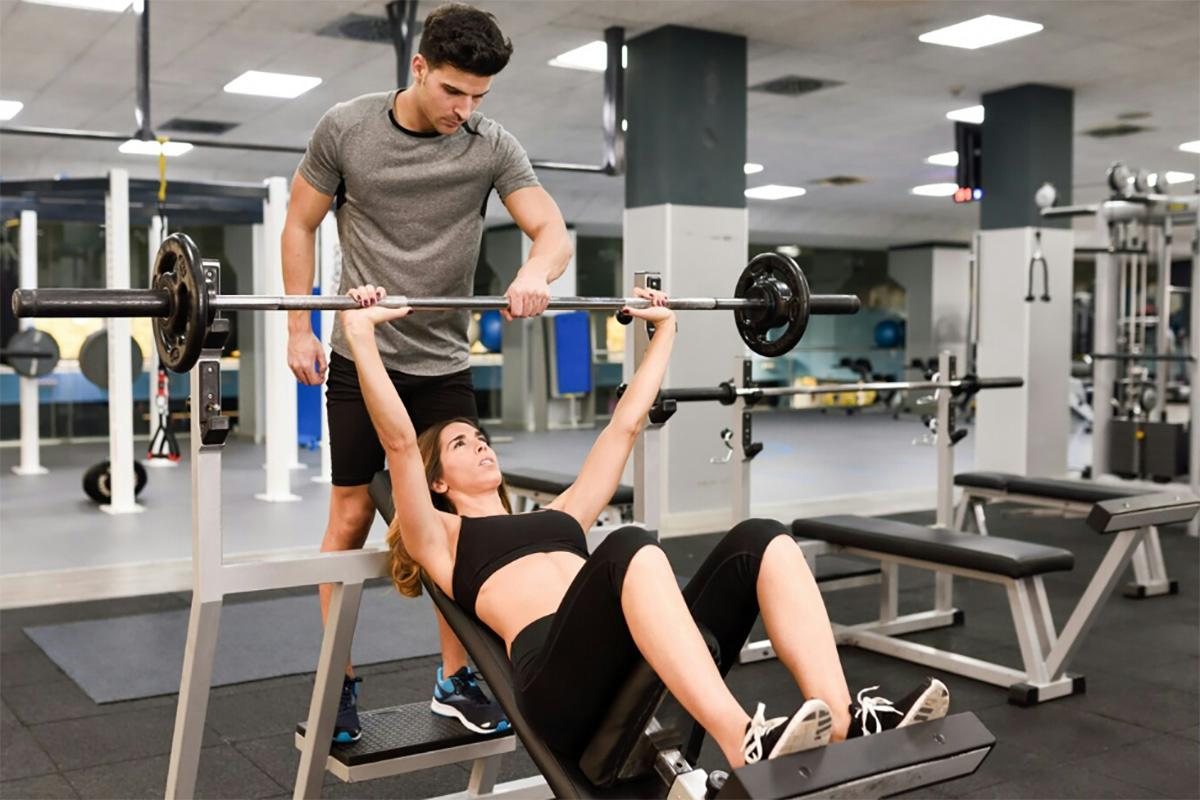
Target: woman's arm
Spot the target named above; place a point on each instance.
(420, 525)
(601, 472)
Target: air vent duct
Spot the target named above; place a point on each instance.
(792, 85)
(1113, 131)
(840, 180)
(361, 28)
(206, 126)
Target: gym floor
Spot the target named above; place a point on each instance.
(1133, 734)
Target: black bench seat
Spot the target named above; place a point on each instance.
(1008, 557)
(1051, 488)
(550, 482)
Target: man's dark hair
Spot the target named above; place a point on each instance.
(465, 38)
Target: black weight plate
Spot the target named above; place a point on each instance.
(93, 358)
(765, 276)
(31, 353)
(97, 481)
(179, 337)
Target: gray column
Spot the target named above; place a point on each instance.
(686, 219)
(1027, 138)
(936, 278)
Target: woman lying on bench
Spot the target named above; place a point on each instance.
(575, 625)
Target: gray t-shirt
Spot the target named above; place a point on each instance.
(410, 217)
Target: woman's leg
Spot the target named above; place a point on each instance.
(667, 636)
(758, 567)
(801, 634)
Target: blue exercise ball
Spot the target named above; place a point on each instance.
(889, 333)
(490, 323)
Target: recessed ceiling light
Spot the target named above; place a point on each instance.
(271, 84)
(790, 250)
(625, 125)
(980, 32)
(1190, 147)
(10, 108)
(972, 114)
(1179, 177)
(773, 191)
(935, 189)
(752, 169)
(151, 147)
(946, 159)
(112, 6)
(591, 57)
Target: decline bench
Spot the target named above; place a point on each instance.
(1069, 496)
(631, 755)
(1018, 566)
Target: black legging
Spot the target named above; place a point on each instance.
(568, 666)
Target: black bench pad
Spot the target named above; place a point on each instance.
(542, 480)
(1009, 557)
(1050, 488)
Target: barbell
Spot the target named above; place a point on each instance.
(771, 293)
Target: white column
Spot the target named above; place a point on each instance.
(280, 385)
(30, 456)
(120, 368)
(329, 269)
(700, 252)
(1024, 430)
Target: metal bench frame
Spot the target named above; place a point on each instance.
(1149, 568)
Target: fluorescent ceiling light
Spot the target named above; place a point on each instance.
(980, 32)
(271, 84)
(591, 57)
(752, 169)
(773, 191)
(935, 189)
(1190, 147)
(972, 114)
(1179, 177)
(10, 108)
(625, 125)
(113, 6)
(946, 159)
(790, 250)
(144, 147)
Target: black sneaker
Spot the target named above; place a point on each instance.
(460, 697)
(809, 727)
(929, 701)
(347, 728)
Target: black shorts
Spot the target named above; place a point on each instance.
(354, 447)
(568, 666)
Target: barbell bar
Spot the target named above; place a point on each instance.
(157, 303)
(772, 293)
(726, 393)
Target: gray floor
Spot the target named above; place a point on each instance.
(46, 522)
(1133, 734)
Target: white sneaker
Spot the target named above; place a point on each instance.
(811, 726)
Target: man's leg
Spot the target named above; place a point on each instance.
(350, 514)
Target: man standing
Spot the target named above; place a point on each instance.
(411, 171)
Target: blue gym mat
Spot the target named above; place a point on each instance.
(126, 658)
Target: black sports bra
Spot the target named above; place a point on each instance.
(485, 544)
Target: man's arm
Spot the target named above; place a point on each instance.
(538, 217)
(306, 208)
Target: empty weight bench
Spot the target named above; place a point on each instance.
(631, 755)
(1069, 496)
(532, 488)
(1016, 565)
